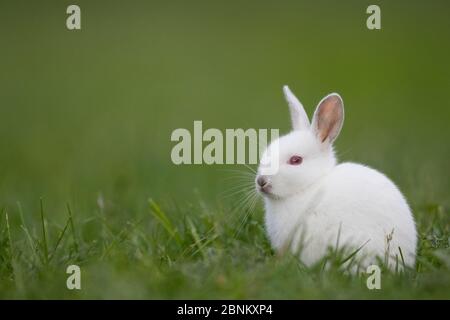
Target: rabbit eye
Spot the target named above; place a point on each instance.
(295, 160)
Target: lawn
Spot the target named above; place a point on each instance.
(86, 117)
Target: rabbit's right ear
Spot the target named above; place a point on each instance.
(328, 118)
(299, 117)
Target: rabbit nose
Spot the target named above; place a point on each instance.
(261, 181)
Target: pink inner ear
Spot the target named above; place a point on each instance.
(328, 117)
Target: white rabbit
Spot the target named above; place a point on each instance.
(314, 204)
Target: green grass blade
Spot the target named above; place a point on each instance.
(72, 228)
(30, 240)
(164, 220)
(44, 234)
(19, 207)
(59, 240)
(197, 241)
(8, 231)
(354, 252)
(11, 250)
(403, 259)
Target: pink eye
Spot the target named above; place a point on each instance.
(295, 160)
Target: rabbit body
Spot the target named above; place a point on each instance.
(313, 204)
(351, 207)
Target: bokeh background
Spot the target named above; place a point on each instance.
(86, 116)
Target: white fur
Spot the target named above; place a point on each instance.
(320, 204)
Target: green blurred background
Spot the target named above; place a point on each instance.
(90, 112)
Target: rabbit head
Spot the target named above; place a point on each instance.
(304, 155)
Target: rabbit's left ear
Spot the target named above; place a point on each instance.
(328, 118)
(299, 117)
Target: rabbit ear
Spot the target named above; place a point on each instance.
(299, 117)
(328, 118)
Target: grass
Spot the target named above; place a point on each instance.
(168, 252)
(85, 124)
